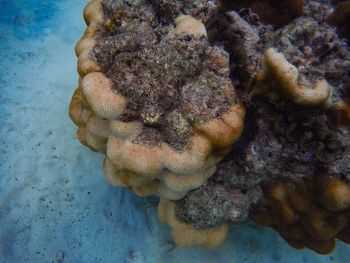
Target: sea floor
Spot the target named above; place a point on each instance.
(55, 205)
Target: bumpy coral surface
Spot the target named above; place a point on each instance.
(167, 87)
(172, 81)
(289, 78)
(154, 96)
(311, 214)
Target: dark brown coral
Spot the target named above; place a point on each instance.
(168, 10)
(273, 12)
(340, 18)
(311, 214)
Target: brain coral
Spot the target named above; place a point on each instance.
(227, 111)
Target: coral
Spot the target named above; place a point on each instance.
(317, 52)
(186, 235)
(214, 204)
(312, 214)
(274, 12)
(190, 26)
(93, 15)
(228, 112)
(283, 78)
(243, 41)
(333, 194)
(340, 113)
(288, 134)
(169, 10)
(340, 18)
(146, 110)
(286, 144)
(306, 62)
(312, 51)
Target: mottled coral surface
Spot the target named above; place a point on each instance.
(289, 64)
(54, 204)
(172, 83)
(282, 142)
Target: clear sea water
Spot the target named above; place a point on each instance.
(55, 205)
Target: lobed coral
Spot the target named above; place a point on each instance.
(163, 119)
(186, 235)
(311, 214)
(280, 76)
(288, 135)
(226, 112)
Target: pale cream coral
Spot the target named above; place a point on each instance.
(175, 187)
(86, 64)
(188, 25)
(95, 143)
(226, 129)
(125, 130)
(75, 108)
(85, 43)
(281, 77)
(98, 127)
(93, 15)
(186, 235)
(93, 12)
(81, 134)
(180, 183)
(103, 100)
(179, 171)
(109, 173)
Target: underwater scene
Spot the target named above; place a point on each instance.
(175, 131)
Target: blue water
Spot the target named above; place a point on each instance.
(55, 205)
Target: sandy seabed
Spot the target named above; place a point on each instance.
(55, 205)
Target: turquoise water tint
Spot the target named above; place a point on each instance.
(55, 205)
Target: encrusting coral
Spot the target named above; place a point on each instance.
(227, 111)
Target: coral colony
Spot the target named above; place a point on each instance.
(225, 110)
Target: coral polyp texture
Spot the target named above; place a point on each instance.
(155, 98)
(226, 111)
